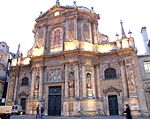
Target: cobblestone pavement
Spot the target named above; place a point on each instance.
(55, 117)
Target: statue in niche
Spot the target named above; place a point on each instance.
(71, 83)
(36, 87)
(86, 36)
(56, 36)
(71, 31)
(88, 81)
(89, 85)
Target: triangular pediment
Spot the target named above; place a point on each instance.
(23, 94)
(111, 89)
(51, 12)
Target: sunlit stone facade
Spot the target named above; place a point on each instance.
(73, 70)
(4, 55)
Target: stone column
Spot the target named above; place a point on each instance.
(75, 28)
(83, 82)
(32, 83)
(98, 82)
(76, 81)
(93, 82)
(66, 81)
(90, 32)
(41, 84)
(123, 78)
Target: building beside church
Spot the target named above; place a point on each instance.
(74, 70)
(144, 60)
(4, 56)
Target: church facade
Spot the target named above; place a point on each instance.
(73, 70)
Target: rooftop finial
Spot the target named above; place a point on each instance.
(130, 33)
(57, 2)
(122, 30)
(74, 2)
(117, 36)
(41, 13)
(92, 9)
(18, 52)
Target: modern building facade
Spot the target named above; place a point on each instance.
(74, 70)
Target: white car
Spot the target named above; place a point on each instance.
(17, 109)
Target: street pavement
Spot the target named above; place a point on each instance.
(62, 117)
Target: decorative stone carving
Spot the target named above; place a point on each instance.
(71, 31)
(54, 75)
(36, 87)
(39, 38)
(112, 89)
(88, 68)
(86, 35)
(71, 84)
(101, 38)
(88, 81)
(89, 85)
(130, 77)
(56, 37)
(147, 90)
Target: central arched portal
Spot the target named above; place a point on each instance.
(54, 101)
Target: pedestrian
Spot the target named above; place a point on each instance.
(38, 112)
(42, 111)
(128, 112)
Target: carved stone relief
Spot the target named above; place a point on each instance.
(39, 38)
(71, 84)
(89, 90)
(55, 75)
(71, 31)
(130, 78)
(71, 80)
(86, 35)
(36, 87)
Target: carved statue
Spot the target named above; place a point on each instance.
(86, 35)
(89, 85)
(36, 87)
(71, 31)
(88, 81)
(71, 84)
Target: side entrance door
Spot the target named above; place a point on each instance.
(113, 105)
(54, 101)
(23, 103)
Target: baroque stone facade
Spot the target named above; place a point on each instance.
(73, 70)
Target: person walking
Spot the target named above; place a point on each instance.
(38, 112)
(42, 111)
(128, 112)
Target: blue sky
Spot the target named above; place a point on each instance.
(18, 18)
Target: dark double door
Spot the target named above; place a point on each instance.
(113, 105)
(54, 101)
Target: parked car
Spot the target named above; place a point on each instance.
(17, 109)
(5, 112)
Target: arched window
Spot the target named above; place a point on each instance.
(110, 73)
(25, 81)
